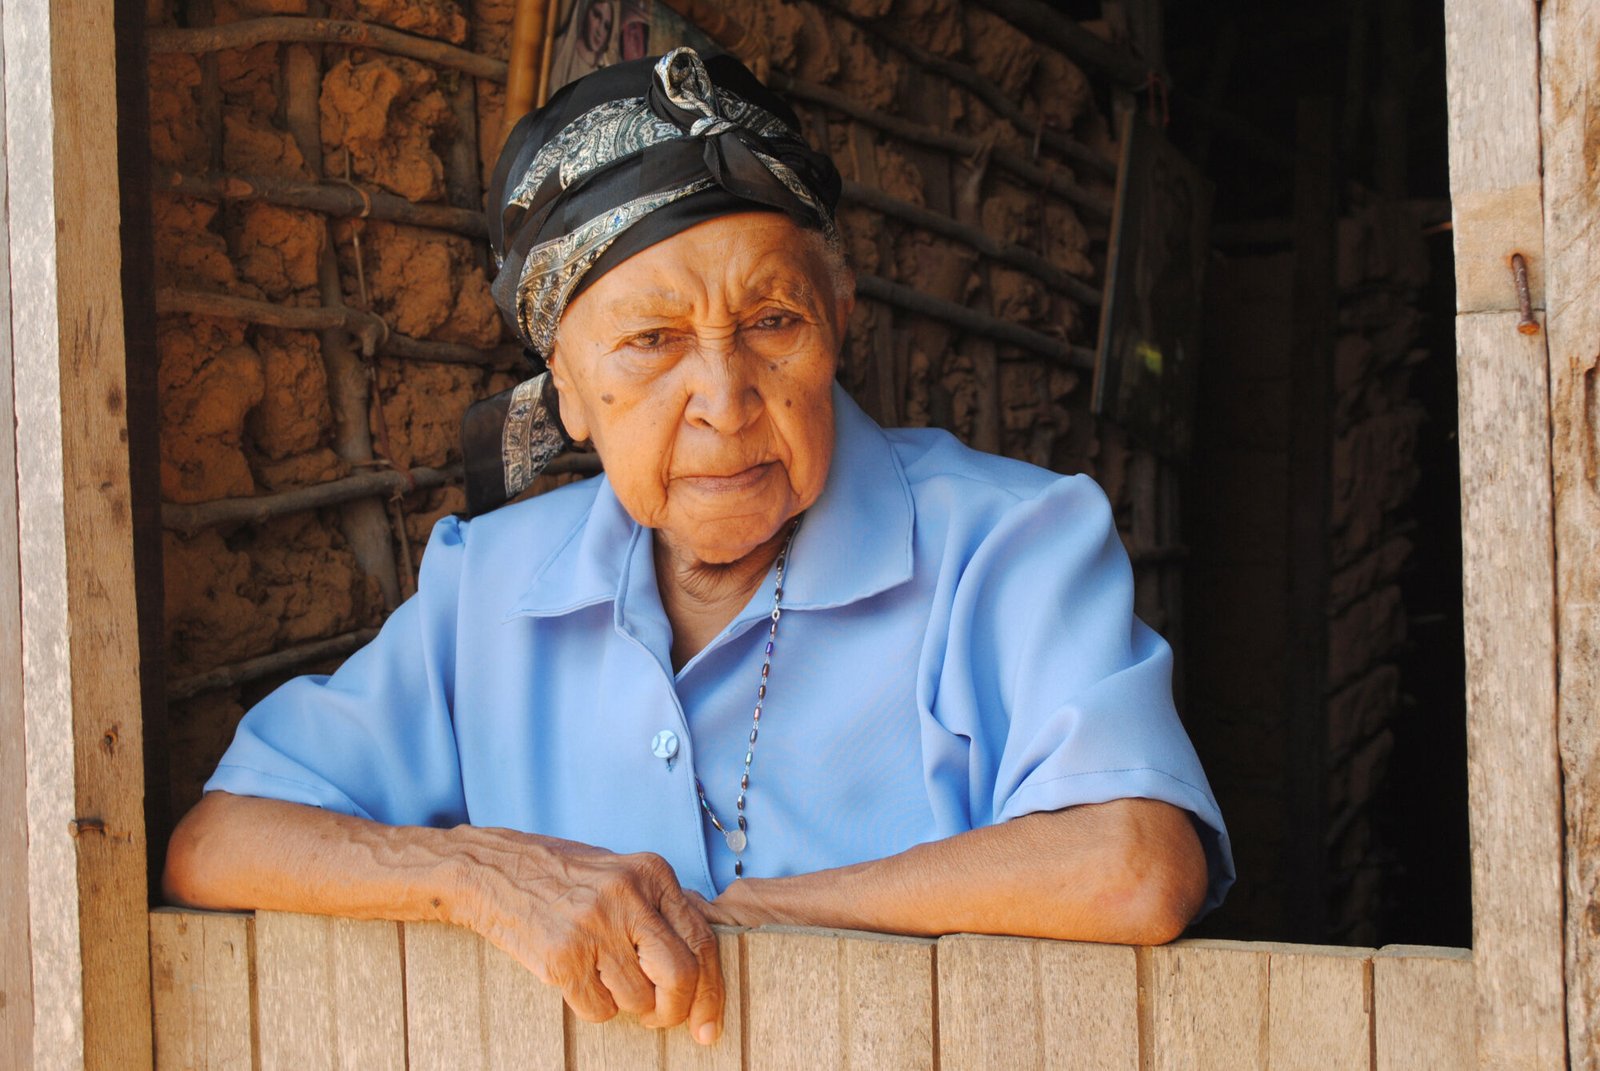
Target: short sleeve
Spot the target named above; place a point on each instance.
(1062, 695)
(375, 739)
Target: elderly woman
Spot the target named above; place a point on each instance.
(776, 665)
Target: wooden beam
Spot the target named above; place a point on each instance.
(1059, 182)
(16, 955)
(1492, 75)
(200, 969)
(1513, 773)
(86, 844)
(200, 40)
(1205, 1005)
(52, 885)
(1423, 1009)
(1044, 23)
(1570, 95)
(102, 599)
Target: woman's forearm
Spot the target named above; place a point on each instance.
(611, 931)
(239, 852)
(1130, 871)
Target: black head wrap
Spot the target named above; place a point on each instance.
(616, 162)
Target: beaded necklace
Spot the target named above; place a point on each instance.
(738, 837)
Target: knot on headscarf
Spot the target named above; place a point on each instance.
(617, 161)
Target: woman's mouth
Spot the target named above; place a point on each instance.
(725, 483)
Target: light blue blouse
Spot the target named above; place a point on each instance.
(957, 648)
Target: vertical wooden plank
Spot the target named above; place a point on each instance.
(16, 953)
(682, 1053)
(178, 990)
(522, 1017)
(989, 1013)
(1206, 1005)
(1513, 775)
(57, 979)
(1570, 77)
(200, 990)
(1423, 1009)
(368, 993)
(1509, 582)
(887, 1001)
(1319, 1008)
(792, 1006)
(1089, 1006)
(1494, 148)
(328, 993)
(108, 753)
(445, 1014)
(294, 993)
(621, 1042)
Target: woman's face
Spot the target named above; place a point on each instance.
(701, 368)
(597, 26)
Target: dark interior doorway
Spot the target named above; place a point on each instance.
(1324, 671)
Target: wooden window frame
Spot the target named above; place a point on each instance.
(75, 962)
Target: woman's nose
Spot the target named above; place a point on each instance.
(723, 394)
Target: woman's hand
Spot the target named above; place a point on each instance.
(610, 931)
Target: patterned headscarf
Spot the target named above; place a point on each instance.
(616, 162)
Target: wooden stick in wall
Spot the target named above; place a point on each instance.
(528, 35)
(547, 51)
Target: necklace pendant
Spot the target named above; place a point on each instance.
(736, 840)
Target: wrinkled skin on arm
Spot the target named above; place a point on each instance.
(610, 931)
(1126, 872)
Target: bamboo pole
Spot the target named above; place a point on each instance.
(198, 40)
(529, 29)
(547, 52)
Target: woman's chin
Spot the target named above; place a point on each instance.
(723, 543)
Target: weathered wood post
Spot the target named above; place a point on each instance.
(75, 958)
(1569, 77)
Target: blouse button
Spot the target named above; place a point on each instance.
(664, 745)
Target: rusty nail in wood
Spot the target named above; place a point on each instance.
(1519, 270)
(79, 826)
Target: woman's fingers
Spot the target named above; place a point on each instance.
(620, 933)
(629, 988)
(584, 992)
(705, 1009)
(670, 963)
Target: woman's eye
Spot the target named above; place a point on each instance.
(648, 340)
(775, 321)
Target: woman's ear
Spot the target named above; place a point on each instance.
(574, 418)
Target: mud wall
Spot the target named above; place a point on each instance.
(298, 178)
